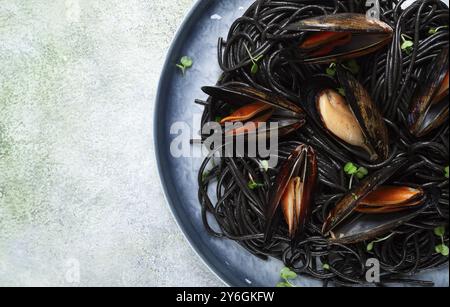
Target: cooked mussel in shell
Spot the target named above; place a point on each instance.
(362, 227)
(338, 37)
(348, 204)
(293, 191)
(391, 198)
(430, 105)
(253, 108)
(251, 115)
(353, 120)
(372, 208)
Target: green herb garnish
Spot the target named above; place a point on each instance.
(326, 266)
(353, 170)
(408, 44)
(286, 274)
(441, 248)
(255, 65)
(255, 61)
(371, 245)
(185, 63)
(350, 168)
(439, 231)
(331, 70)
(362, 172)
(284, 284)
(252, 185)
(434, 30)
(205, 176)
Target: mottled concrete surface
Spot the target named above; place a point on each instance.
(78, 182)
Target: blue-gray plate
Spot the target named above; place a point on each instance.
(175, 109)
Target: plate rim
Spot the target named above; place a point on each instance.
(193, 14)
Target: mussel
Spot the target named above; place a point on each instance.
(352, 120)
(252, 115)
(366, 227)
(372, 208)
(337, 37)
(293, 191)
(253, 107)
(391, 198)
(429, 107)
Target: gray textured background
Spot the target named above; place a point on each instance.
(78, 180)
(79, 189)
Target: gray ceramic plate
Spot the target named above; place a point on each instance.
(197, 38)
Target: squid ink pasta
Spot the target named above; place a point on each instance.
(362, 108)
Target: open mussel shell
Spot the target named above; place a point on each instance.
(240, 95)
(263, 129)
(293, 192)
(430, 105)
(369, 117)
(353, 121)
(365, 36)
(391, 198)
(366, 227)
(248, 112)
(350, 202)
(255, 109)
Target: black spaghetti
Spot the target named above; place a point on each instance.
(363, 152)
